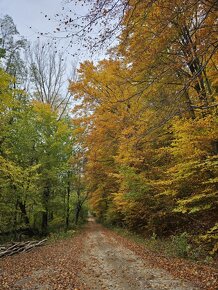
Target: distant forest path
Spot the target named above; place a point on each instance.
(99, 259)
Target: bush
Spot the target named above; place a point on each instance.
(181, 245)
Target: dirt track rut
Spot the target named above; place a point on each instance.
(110, 265)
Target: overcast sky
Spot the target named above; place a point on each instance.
(31, 13)
(28, 13)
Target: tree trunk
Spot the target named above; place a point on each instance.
(189, 105)
(44, 226)
(22, 207)
(68, 206)
(15, 221)
(77, 214)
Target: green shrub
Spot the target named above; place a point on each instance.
(180, 245)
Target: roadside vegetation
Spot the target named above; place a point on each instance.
(179, 246)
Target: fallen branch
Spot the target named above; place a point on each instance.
(19, 247)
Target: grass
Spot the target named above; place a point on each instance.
(62, 233)
(174, 246)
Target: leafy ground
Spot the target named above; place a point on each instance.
(53, 266)
(98, 258)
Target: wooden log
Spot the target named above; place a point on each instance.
(18, 247)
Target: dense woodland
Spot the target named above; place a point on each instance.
(41, 186)
(141, 141)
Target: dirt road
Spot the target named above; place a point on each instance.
(110, 265)
(99, 259)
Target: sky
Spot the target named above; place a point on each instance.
(35, 14)
(28, 13)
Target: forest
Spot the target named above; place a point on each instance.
(134, 139)
(41, 162)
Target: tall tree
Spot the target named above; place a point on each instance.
(48, 74)
(13, 47)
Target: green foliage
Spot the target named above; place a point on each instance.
(181, 244)
(2, 52)
(35, 157)
(175, 246)
(38, 167)
(11, 47)
(61, 235)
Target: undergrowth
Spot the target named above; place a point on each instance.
(63, 234)
(56, 236)
(174, 246)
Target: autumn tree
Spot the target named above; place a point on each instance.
(149, 117)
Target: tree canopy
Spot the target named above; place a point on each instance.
(149, 120)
